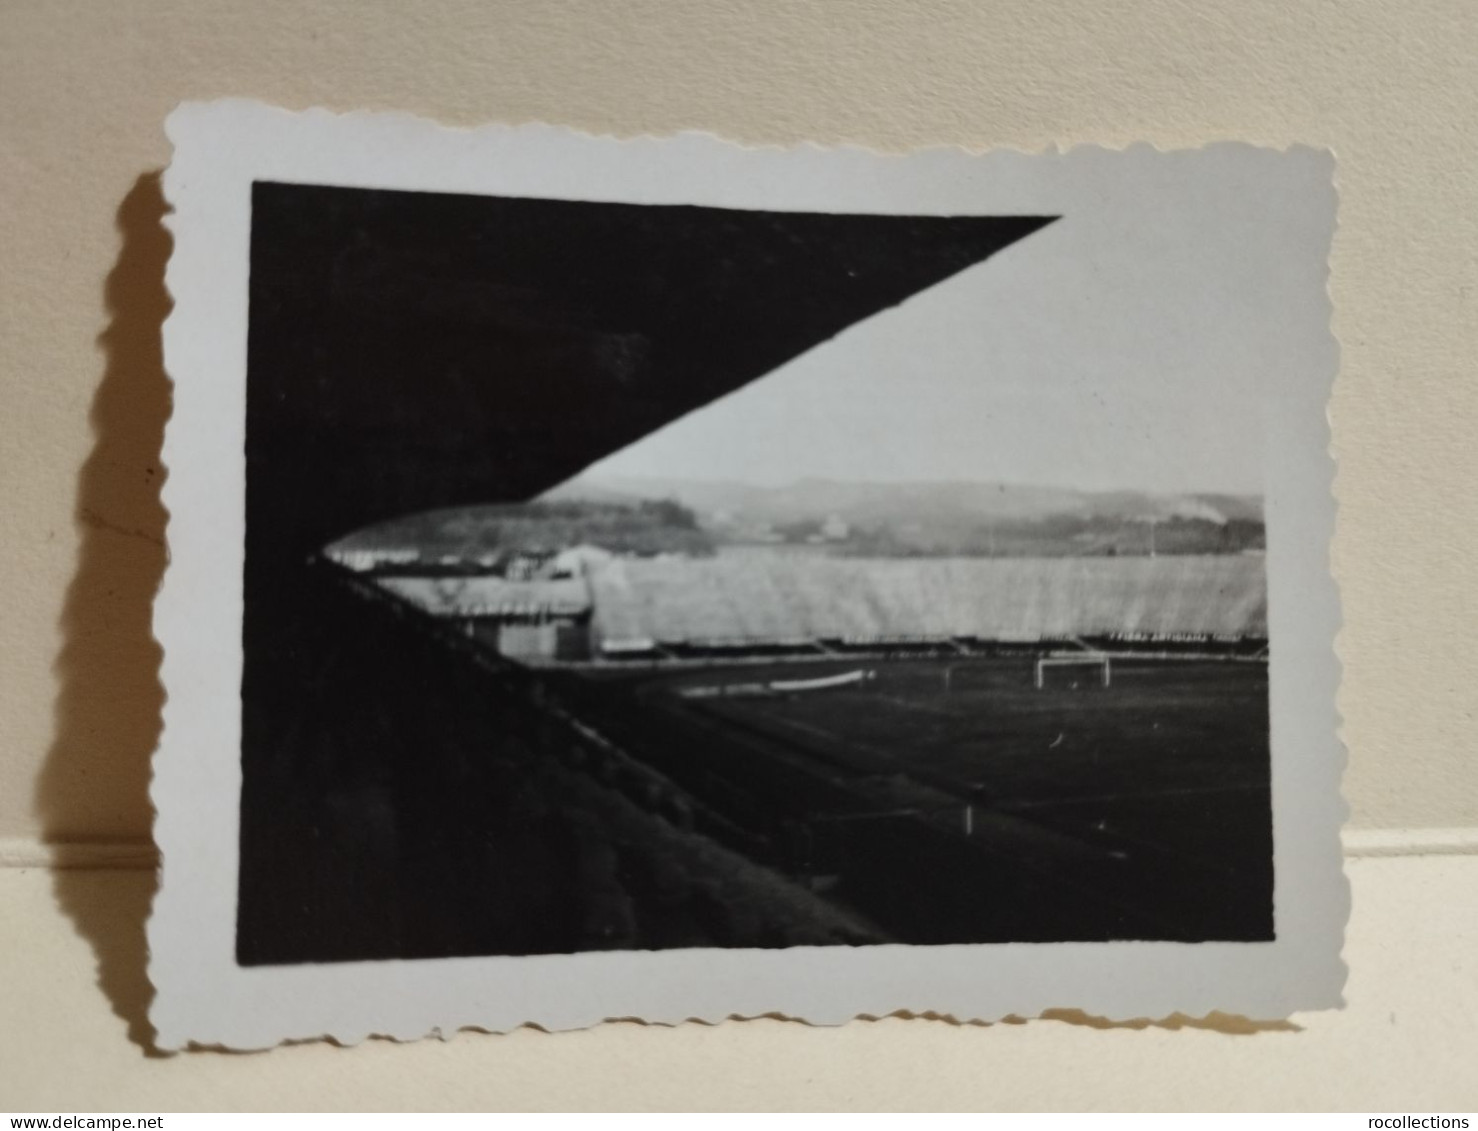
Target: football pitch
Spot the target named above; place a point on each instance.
(1152, 793)
(1162, 730)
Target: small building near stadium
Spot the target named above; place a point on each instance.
(534, 621)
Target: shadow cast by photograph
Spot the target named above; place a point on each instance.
(92, 796)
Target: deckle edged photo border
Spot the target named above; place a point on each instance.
(659, 578)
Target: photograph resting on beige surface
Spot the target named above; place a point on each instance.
(657, 578)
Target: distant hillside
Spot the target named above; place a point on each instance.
(810, 497)
(629, 526)
(993, 519)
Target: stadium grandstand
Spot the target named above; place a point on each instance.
(780, 599)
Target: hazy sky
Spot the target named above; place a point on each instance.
(1121, 347)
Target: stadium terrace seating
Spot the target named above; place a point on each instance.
(785, 597)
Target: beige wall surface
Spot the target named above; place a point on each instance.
(84, 88)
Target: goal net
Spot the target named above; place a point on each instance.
(1072, 672)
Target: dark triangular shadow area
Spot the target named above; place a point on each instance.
(401, 796)
(411, 350)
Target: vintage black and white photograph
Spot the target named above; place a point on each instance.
(666, 549)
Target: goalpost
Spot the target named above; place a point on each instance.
(1091, 659)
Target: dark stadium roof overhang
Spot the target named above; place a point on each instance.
(414, 350)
